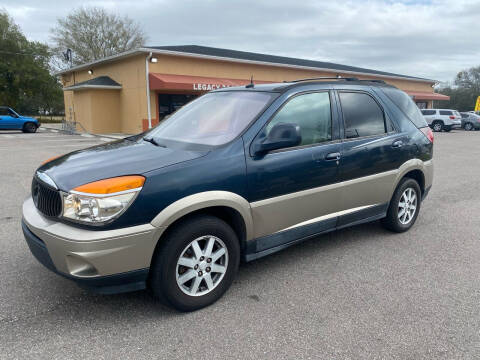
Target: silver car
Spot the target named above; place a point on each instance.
(470, 121)
(442, 119)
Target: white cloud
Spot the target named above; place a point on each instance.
(433, 39)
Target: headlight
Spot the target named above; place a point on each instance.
(101, 201)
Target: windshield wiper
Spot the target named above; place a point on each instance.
(153, 141)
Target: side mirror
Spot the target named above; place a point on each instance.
(282, 135)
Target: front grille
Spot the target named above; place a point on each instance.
(46, 199)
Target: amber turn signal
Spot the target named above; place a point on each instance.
(112, 185)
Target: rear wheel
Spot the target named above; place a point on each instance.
(437, 126)
(195, 264)
(468, 126)
(447, 128)
(404, 206)
(29, 128)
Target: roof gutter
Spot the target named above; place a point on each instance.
(235, 60)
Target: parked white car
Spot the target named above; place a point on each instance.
(442, 119)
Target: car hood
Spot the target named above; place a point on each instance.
(118, 158)
(27, 118)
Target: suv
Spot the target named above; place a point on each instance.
(470, 121)
(10, 120)
(237, 174)
(442, 119)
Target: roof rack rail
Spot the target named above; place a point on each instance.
(323, 78)
(374, 80)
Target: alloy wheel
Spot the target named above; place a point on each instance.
(407, 206)
(202, 265)
(437, 127)
(468, 126)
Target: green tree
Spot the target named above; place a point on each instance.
(25, 80)
(464, 92)
(92, 34)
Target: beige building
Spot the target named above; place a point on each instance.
(111, 95)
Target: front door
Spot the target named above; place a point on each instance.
(289, 187)
(8, 119)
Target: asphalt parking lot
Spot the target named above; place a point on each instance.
(359, 293)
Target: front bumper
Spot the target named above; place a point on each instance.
(108, 261)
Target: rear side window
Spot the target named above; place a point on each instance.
(4, 111)
(428, 112)
(464, 116)
(407, 106)
(362, 115)
(445, 112)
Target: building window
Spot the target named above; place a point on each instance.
(169, 103)
(422, 105)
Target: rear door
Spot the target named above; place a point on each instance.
(372, 151)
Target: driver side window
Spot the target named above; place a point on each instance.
(311, 112)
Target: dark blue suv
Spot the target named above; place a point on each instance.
(235, 175)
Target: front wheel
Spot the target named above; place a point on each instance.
(195, 264)
(404, 206)
(29, 128)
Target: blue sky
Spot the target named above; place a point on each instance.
(433, 39)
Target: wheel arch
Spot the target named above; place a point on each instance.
(230, 207)
(420, 171)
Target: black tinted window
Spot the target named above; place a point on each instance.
(464, 116)
(428, 112)
(362, 115)
(445, 112)
(4, 111)
(311, 112)
(406, 104)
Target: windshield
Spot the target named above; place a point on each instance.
(213, 119)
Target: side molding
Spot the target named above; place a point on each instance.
(204, 200)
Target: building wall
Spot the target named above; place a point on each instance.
(130, 73)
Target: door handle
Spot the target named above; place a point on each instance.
(333, 156)
(397, 144)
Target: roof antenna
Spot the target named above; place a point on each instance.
(251, 85)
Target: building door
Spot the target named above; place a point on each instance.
(169, 103)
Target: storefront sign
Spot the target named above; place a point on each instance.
(208, 87)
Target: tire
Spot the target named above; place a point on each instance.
(437, 126)
(29, 127)
(468, 126)
(165, 280)
(447, 128)
(395, 221)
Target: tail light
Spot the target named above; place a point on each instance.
(452, 117)
(428, 133)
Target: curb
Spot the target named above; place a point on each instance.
(88, 135)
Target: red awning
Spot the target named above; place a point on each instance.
(194, 83)
(427, 96)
